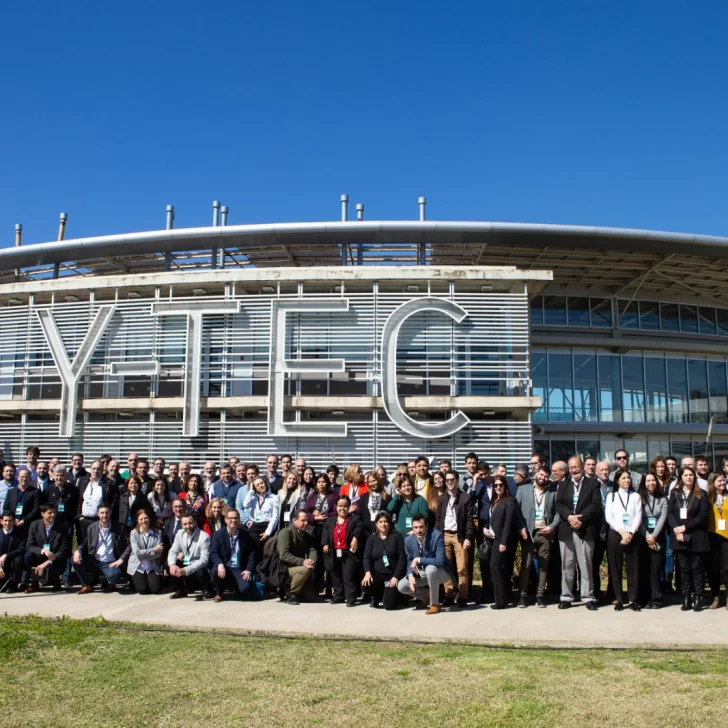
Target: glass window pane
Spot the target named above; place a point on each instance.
(722, 321)
(562, 450)
(601, 312)
(669, 318)
(610, 388)
(610, 445)
(688, 319)
(585, 387)
(537, 311)
(578, 311)
(681, 449)
(554, 309)
(720, 451)
(542, 448)
(561, 394)
(657, 447)
(649, 315)
(540, 383)
(656, 389)
(677, 390)
(706, 320)
(718, 391)
(637, 449)
(698, 388)
(587, 449)
(628, 314)
(633, 389)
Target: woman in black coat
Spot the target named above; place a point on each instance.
(340, 540)
(385, 563)
(131, 501)
(371, 503)
(503, 528)
(687, 514)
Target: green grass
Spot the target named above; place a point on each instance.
(96, 673)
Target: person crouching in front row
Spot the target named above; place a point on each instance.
(232, 555)
(189, 560)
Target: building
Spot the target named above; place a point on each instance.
(366, 341)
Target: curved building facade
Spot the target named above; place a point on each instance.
(366, 342)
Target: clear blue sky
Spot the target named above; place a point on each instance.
(607, 113)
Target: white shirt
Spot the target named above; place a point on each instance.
(703, 484)
(92, 496)
(623, 510)
(105, 546)
(420, 486)
(451, 521)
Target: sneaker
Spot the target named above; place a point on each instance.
(66, 584)
(540, 602)
(293, 600)
(522, 603)
(592, 606)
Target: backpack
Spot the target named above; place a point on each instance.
(271, 571)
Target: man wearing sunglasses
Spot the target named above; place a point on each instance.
(622, 460)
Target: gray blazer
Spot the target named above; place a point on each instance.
(136, 553)
(660, 513)
(527, 503)
(199, 550)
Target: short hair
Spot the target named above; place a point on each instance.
(77, 455)
(450, 471)
(188, 514)
(10, 514)
(418, 517)
(621, 450)
(232, 510)
(471, 456)
(343, 498)
(701, 459)
(522, 470)
(250, 466)
(47, 507)
(483, 465)
(351, 471)
(297, 513)
(102, 505)
(286, 456)
(226, 467)
(674, 459)
(142, 460)
(448, 462)
(420, 458)
(334, 469)
(543, 469)
(33, 449)
(60, 469)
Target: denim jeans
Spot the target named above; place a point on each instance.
(89, 569)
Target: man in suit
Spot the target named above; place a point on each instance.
(63, 496)
(600, 543)
(274, 478)
(12, 551)
(173, 525)
(189, 560)
(42, 477)
(77, 470)
(93, 490)
(232, 555)
(24, 502)
(579, 506)
(426, 565)
(46, 550)
(226, 487)
(6, 484)
(101, 553)
(142, 472)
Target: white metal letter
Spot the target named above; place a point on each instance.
(71, 371)
(390, 335)
(280, 366)
(193, 351)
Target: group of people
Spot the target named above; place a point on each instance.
(363, 537)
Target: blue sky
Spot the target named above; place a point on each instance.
(606, 113)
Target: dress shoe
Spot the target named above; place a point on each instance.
(687, 606)
(496, 606)
(217, 598)
(374, 604)
(618, 607)
(635, 607)
(462, 603)
(540, 602)
(698, 606)
(421, 604)
(86, 589)
(109, 588)
(32, 587)
(522, 603)
(179, 594)
(292, 600)
(56, 586)
(592, 606)
(351, 604)
(433, 609)
(564, 605)
(209, 594)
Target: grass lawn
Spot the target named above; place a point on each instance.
(94, 673)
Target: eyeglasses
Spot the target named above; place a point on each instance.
(621, 457)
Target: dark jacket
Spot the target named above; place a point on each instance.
(393, 546)
(589, 506)
(464, 514)
(140, 504)
(363, 514)
(67, 498)
(30, 502)
(353, 530)
(75, 477)
(57, 538)
(110, 495)
(503, 522)
(295, 547)
(218, 491)
(121, 539)
(221, 553)
(168, 532)
(311, 505)
(696, 535)
(12, 545)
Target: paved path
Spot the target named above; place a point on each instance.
(575, 627)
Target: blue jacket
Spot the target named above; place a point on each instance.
(219, 488)
(433, 552)
(221, 553)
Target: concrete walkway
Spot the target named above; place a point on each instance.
(575, 627)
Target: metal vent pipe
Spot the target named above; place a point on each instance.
(359, 211)
(215, 223)
(18, 235)
(344, 208)
(62, 226)
(170, 217)
(223, 215)
(422, 202)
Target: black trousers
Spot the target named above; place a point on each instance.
(718, 563)
(501, 567)
(149, 583)
(617, 556)
(199, 580)
(54, 571)
(379, 591)
(13, 569)
(486, 591)
(600, 548)
(345, 576)
(692, 572)
(233, 581)
(652, 563)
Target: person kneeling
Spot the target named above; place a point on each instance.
(297, 553)
(46, 550)
(101, 553)
(12, 550)
(231, 550)
(189, 559)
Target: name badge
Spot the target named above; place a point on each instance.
(61, 507)
(683, 512)
(287, 517)
(186, 560)
(721, 524)
(408, 523)
(88, 503)
(625, 519)
(385, 560)
(539, 514)
(19, 510)
(46, 547)
(575, 498)
(651, 522)
(234, 560)
(339, 553)
(259, 517)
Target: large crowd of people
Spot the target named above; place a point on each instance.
(541, 534)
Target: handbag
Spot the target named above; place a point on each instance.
(484, 550)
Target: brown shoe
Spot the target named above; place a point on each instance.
(110, 588)
(433, 609)
(218, 598)
(32, 587)
(715, 604)
(421, 604)
(86, 589)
